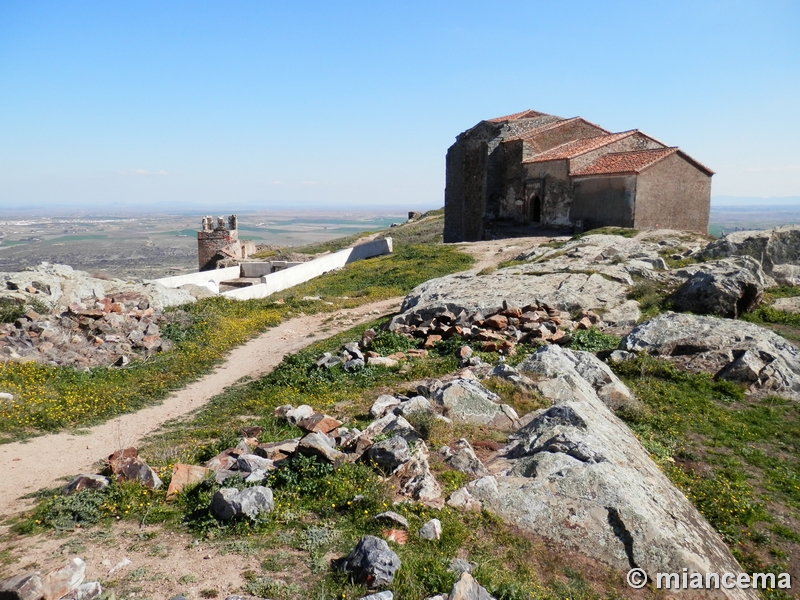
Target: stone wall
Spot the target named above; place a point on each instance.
(673, 194)
(601, 201)
(215, 243)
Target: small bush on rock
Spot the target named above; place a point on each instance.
(593, 340)
(10, 310)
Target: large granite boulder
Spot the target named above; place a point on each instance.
(733, 350)
(58, 286)
(551, 361)
(791, 304)
(778, 251)
(467, 401)
(578, 476)
(728, 288)
(519, 286)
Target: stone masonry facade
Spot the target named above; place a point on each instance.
(217, 243)
(536, 169)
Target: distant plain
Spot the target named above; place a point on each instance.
(159, 244)
(152, 245)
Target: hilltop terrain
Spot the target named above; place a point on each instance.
(545, 420)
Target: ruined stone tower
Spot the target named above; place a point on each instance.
(217, 243)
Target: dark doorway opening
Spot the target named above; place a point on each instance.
(536, 210)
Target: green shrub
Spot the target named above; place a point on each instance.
(593, 340)
(10, 310)
(652, 298)
(767, 314)
(388, 342)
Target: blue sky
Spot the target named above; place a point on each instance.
(294, 104)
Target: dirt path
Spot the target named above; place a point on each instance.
(491, 252)
(44, 461)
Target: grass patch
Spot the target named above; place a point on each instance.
(333, 245)
(783, 323)
(427, 230)
(766, 315)
(651, 296)
(621, 231)
(737, 459)
(384, 276)
(783, 291)
(10, 310)
(50, 398)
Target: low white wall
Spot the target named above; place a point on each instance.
(200, 278)
(275, 282)
(259, 269)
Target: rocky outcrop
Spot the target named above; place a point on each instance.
(552, 361)
(791, 304)
(592, 273)
(58, 286)
(778, 251)
(732, 350)
(577, 475)
(65, 582)
(74, 319)
(467, 401)
(519, 286)
(727, 288)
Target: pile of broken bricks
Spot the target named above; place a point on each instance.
(499, 331)
(108, 331)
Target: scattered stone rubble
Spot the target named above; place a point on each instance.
(88, 321)
(110, 330)
(572, 473)
(66, 583)
(497, 331)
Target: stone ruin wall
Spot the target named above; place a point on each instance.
(215, 243)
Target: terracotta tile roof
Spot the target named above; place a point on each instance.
(530, 134)
(578, 147)
(546, 127)
(525, 114)
(625, 162)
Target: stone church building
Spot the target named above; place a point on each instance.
(531, 168)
